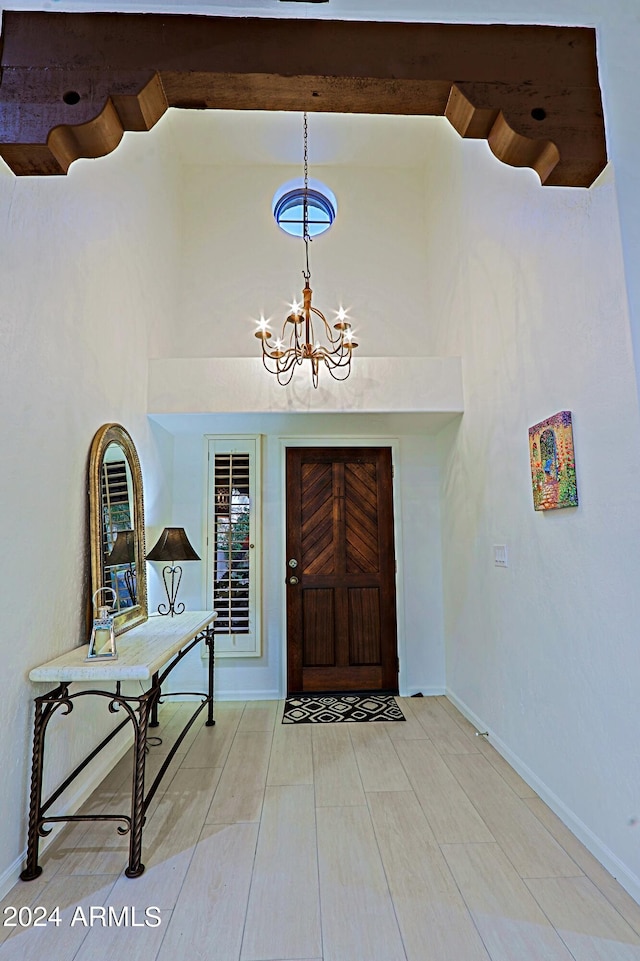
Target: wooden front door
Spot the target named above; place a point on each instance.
(341, 605)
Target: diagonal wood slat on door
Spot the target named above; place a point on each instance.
(359, 562)
(361, 545)
(317, 521)
(322, 563)
(318, 543)
(358, 517)
(362, 473)
(317, 536)
(361, 483)
(318, 488)
(316, 477)
(319, 497)
(319, 494)
(314, 513)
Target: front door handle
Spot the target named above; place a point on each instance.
(293, 580)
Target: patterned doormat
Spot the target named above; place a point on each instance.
(329, 708)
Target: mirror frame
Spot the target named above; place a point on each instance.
(106, 435)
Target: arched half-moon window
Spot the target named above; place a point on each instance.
(288, 208)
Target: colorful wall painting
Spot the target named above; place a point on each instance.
(553, 465)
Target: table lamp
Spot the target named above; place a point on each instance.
(173, 545)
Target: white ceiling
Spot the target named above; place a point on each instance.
(577, 12)
(405, 10)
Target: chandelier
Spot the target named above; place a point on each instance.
(298, 341)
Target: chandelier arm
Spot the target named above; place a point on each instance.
(341, 380)
(346, 367)
(265, 358)
(285, 363)
(278, 364)
(331, 337)
(291, 357)
(333, 360)
(318, 313)
(280, 375)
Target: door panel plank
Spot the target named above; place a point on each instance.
(318, 620)
(364, 626)
(364, 678)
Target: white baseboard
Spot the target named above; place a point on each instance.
(84, 788)
(629, 881)
(426, 691)
(261, 695)
(274, 695)
(253, 695)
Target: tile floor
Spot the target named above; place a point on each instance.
(374, 842)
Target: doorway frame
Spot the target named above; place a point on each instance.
(338, 440)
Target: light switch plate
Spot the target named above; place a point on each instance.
(500, 555)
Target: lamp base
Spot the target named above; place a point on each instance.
(171, 577)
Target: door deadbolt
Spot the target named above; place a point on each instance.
(293, 562)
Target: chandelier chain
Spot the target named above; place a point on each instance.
(306, 273)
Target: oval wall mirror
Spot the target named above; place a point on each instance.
(116, 514)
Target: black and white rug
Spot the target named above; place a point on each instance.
(329, 708)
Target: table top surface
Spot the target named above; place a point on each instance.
(141, 651)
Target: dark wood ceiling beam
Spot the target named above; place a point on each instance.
(71, 84)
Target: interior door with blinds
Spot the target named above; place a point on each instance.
(233, 555)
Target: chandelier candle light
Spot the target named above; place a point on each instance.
(298, 341)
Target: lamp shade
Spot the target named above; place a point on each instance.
(123, 550)
(173, 545)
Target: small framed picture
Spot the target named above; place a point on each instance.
(553, 463)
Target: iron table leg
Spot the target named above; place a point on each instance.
(135, 867)
(210, 641)
(32, 869)
(156, 700)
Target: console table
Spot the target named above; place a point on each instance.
(148, 653)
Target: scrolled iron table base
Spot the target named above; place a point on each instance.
(141, 711)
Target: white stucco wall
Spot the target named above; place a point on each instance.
(237, 264)
(543, 654)
(86, 268)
